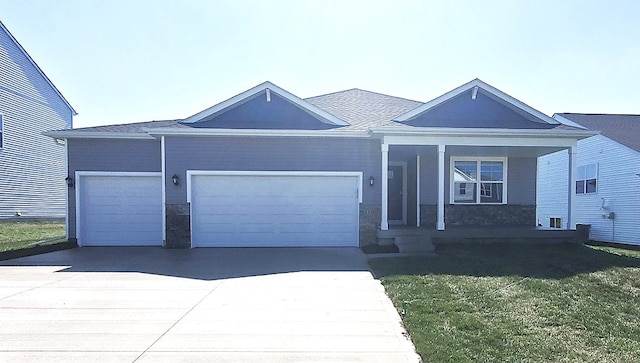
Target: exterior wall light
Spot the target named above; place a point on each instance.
(372, 180)
(175, 179)
(69, 181)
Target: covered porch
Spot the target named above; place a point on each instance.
(465, 163)
(446, 183)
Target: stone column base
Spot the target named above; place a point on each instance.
(178, 224)
(369, 223)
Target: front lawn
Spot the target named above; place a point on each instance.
(508, 303)
(23, 234)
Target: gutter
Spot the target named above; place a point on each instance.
(70, 134)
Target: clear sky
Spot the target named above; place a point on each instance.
(121, 61)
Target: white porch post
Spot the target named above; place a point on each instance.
(384, 219)
(571, 210)
(440, 220)
(417, 190)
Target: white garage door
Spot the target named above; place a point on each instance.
(120, 209)
(267, 210)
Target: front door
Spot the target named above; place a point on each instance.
(396, 198)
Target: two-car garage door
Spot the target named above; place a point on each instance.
(274, 209)
(228, 209)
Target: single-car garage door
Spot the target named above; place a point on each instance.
(274, 209)
(119, 209)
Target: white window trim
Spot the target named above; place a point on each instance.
(585, 179)
(478, 182)
(558, 218)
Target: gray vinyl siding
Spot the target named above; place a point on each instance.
(110, 155)
(32, 168)
(271, 154)
(260, 114)
(429, 178)
(484, 112)
(521, 180)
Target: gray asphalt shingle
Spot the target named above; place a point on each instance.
(624, 129)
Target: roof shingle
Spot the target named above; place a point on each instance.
(624, 129)
(363, 109)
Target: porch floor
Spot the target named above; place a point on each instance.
(480, 233)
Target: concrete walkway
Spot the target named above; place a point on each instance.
(224, 305)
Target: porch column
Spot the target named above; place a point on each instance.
(384, 219)
(417, 190)
(440, 220)
(571, 210)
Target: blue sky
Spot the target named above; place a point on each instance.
(127, 61)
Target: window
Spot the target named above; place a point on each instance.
(555, 222)
(478, 181)
(1, 132)
(587, 179)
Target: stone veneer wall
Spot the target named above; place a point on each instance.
(480, 215)
(178, 226)
(369, 223)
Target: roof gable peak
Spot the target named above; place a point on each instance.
(266, 89)
(478, 86)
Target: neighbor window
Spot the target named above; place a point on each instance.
(587, 179)
(555, 222)
(478, 181)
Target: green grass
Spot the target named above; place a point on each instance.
(519, 303)
(19, 235)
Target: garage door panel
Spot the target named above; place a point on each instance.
(120, 210)
(246, 210)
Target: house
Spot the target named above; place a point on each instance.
(267, 168)
(32, 166)
(607, 183)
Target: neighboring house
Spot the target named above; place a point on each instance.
(267, 168)
(32, 166)
(607, 178)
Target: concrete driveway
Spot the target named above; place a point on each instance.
(137, 304)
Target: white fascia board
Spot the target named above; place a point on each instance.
(255, 132)
(248, 95)
(565, 121)
(96, 135)
(482, 137)
(476, 132)
(483, 87)
(489, 141)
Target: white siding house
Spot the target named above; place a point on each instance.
(32, 166)
(607, 179)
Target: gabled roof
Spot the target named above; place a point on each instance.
(474, 87)
(624, 129)
(73, 111)
(265, 89)
(361, 114)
